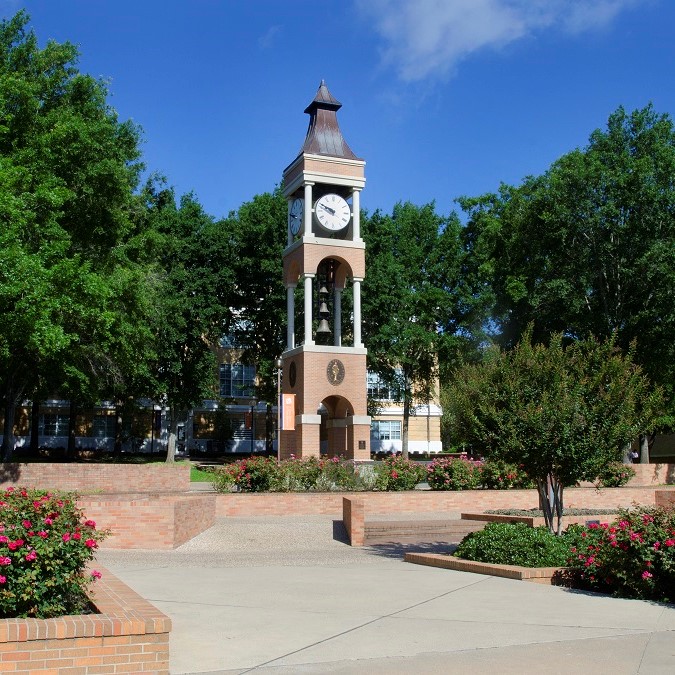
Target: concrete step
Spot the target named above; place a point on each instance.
(419, 531)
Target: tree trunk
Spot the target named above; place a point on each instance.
(173, 431)
(551, 502)
(35, 426)
(644, 449)
(8, 439)
(72, 418)
(406, 421)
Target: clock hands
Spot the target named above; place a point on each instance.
(327, 208)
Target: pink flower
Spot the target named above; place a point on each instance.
(77, 536)
(90, 523)
(90, 543)
(43, 534)
(2, 579)
(647, 575)
(657, 545)
(5, 560)
(3, 539)
(13, 545)
(31, 556)
(26, 523)
(49, 521)
(66, 536)
(95, 574)
(669, 542)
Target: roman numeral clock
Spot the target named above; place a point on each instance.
(324, 363)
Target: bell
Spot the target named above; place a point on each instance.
(323, 290)
(323, 309)
(323, 326)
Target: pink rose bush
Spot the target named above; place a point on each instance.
(45, 545)
(633, 557)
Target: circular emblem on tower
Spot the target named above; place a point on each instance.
(335, 371)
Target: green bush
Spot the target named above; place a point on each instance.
(396, 473)
(259, 474)
(615, 474)
(45, 545)
(453, 474)
(632, 557)
(501, 475)
(515, 544)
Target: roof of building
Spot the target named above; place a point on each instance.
(323, 135)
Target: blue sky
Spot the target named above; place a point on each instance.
(442, 98)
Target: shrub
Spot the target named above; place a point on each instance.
(501, 475)
(514, 544)
(615, 474)
(255, 474)
(632, 557)
(45, 545)
(396, 473)
(453, 474)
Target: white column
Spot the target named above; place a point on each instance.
(337, 316)
(307, 222)
(356, 214)
(289, 234)
(290, 316)
(308, 309)
(357, 313)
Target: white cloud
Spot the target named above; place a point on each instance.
(269, 38)
(429, 38)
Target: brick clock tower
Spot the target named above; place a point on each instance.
(324, 364)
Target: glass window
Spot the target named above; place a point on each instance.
(385, 430)
(104, 426)
(380, 390)
(237, 380)
(54, 424)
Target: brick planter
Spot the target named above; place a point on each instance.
(537, 575)
(536, 521)
(128, 635)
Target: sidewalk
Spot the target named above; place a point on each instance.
(288, 595)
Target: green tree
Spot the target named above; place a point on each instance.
(68, 293)
(588, 248)
(194, 296)
(416, 308)
(563, 413)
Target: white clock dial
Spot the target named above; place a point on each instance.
(332, 212)
(295, 214)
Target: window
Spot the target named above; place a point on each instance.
(54, 424)
(104, 426)
(237, 380)
(385, 430)
(380, 390)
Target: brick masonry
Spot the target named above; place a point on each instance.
(128, 635)
(92, 478)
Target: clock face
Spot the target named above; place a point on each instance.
(332, 212)
(295, 214)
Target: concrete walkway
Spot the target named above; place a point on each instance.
(288, 595)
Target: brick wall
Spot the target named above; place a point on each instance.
(128, 635)
(665, 498)
(150, 521)
(353, 518)
(88, 478)
(653, 474)
(385, 503)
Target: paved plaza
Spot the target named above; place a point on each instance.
(283, 595)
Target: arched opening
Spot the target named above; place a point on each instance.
(334, 411)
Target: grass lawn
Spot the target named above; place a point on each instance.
(199, 476)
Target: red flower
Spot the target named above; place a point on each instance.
(90, 543)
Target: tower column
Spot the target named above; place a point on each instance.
(308, 210)
(290, 316)
(337, 316)
(356, 213)
(308, 309)
(357, 312)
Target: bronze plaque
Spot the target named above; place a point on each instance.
(335, 372)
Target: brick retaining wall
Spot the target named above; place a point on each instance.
(89, 478)
(150, 521)
(128, 635)
(386, 503)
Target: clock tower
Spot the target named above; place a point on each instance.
(324, 363)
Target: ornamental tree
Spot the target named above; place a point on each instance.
(561, 411)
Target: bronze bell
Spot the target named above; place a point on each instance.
(323, 326)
